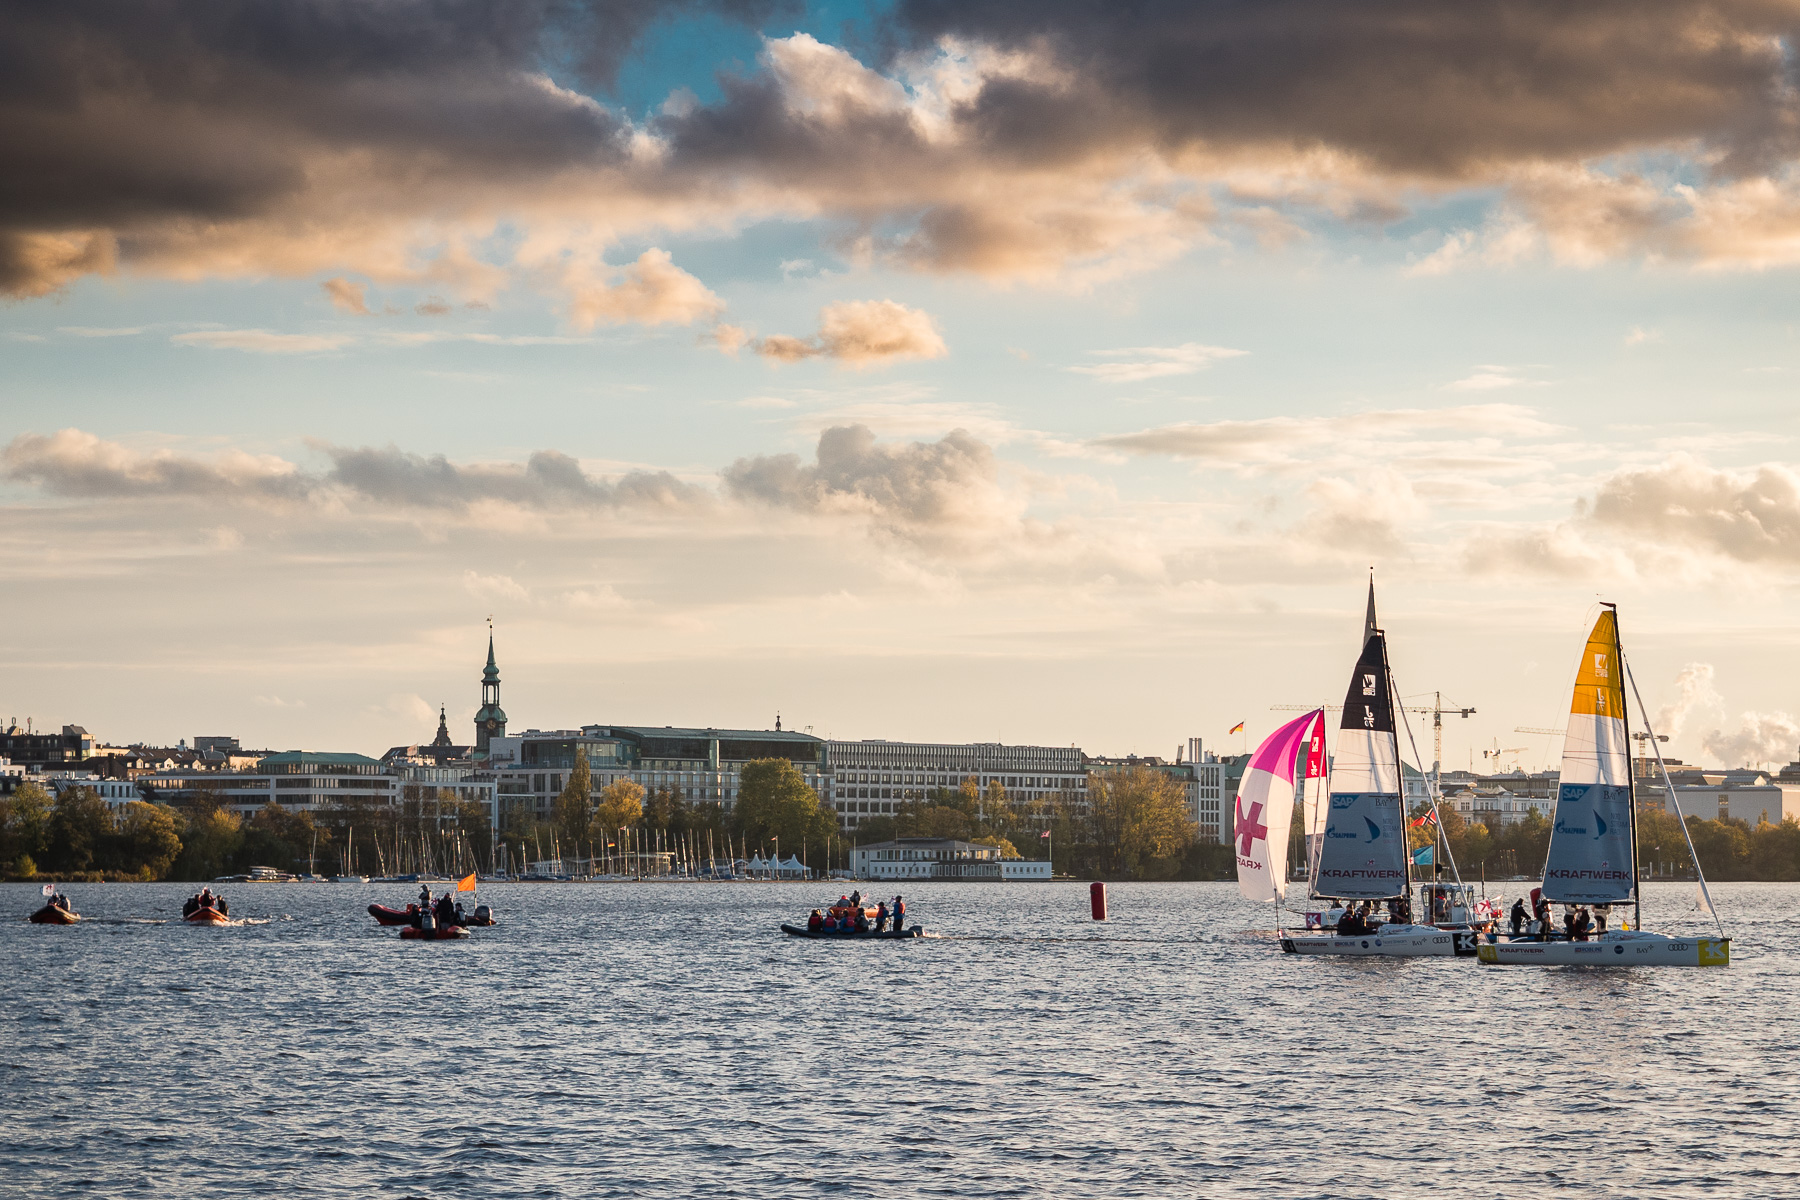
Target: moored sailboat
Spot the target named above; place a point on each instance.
(1592, 858)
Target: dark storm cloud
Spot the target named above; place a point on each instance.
(1414, 85)
(116, 116)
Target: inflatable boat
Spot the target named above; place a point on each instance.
(442, 933)
(394, 916)
(207, 916)
(52, 915)
(911, 931)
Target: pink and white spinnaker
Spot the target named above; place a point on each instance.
(1264, 810)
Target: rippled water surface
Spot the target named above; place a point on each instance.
(666, 1040)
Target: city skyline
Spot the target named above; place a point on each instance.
(920, 374)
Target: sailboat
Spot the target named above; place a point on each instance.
(1360, 852)
(1593, 857)
(349, 860)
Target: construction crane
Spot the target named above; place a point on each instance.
(1435, 712)
(1500, 750)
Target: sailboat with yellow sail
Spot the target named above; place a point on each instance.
(1593, 857)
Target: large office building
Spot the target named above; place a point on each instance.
(873, 778)
(702, 766)
(309, 781)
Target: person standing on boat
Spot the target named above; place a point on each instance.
(1600, 919)
(856, 899)
(1518, 916)
(899, 914)
(424, 895)
(881, 916)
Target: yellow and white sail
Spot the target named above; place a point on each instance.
(1590, 845)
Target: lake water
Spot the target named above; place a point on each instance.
(666, 1040)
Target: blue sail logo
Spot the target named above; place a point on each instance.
(1374, 829)
(1598, 820)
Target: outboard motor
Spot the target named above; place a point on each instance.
(427, 923)
(484, 915)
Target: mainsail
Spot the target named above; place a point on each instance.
(1363, 853)
(1590, 845)
(1264, 809)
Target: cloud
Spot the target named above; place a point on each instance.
(548, 481)
(494, 587)
(861, 333)
(263, 341)
(947, 487)
(1155, 362)
(347, 297)
(1748, 516)
(431, 306)
(461, 149)
(1272, 439)
(90, 331)
(1487, 379)
(79, 465)
(650, 291)
(1695, 693)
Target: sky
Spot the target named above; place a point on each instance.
(1050, 373)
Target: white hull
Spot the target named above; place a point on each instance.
(1393, 941)
(1625, 948)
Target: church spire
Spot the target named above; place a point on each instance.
(490, 718)
(443, 733)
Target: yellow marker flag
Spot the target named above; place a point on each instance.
(466, 885)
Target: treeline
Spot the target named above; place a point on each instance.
(775, 811)
(77, 835)
(1132, 824)
(1728, 848)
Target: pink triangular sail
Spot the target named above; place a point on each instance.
(1264, 809)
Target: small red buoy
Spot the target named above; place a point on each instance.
(1097, 896)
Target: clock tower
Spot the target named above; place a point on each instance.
(490, 718)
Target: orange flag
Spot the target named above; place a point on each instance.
(466, 885)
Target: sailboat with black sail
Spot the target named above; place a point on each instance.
(1592, 859)
(1362, 855)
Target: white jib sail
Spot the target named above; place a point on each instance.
(1264, 810)
(1590, 844)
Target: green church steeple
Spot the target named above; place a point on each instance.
(490, 718)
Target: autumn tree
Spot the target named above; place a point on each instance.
(621, 805)
(1138, 822)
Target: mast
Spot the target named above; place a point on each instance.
(1399, 765)
(1637, 882)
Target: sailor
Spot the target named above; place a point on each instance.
(1518, 916)
(1350, 924)
(424, 895)
(881, 916)
(862, 919)
(1583, 923)
(816, 922)
(899, 914)
(193, 902)
(856, 899)
(220, 904)
(1569, 922)
(1599, 920)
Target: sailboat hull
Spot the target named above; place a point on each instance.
(1625, 948)
(1399, 941)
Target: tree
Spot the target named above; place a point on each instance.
(775, 802)
(574, 807)
(621, 805)
(210, 842)
(1138, 822)
(79, 825)
(25, 828)
(146, 841)
(1006, 848)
